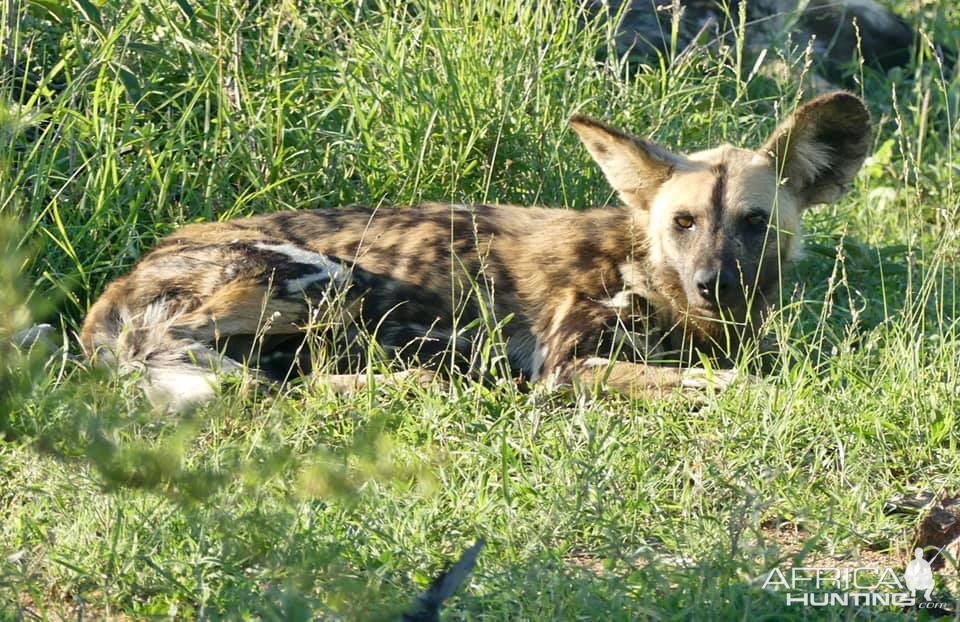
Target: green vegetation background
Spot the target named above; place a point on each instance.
(137, 117)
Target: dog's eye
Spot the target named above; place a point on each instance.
(757, 220)
(683, 221)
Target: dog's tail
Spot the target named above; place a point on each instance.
(176, 371)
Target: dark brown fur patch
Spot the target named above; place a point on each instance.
(719, 188)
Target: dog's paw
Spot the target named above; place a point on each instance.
(699, 378)
(415, 376)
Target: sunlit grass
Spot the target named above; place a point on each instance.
(299, 503)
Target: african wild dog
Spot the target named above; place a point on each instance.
(841, 31)
(604, 295)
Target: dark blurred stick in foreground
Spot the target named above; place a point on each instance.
(427, 606)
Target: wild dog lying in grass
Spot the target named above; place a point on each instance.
(627, 297)
(841, 31)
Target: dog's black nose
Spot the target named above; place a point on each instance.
(713, 285)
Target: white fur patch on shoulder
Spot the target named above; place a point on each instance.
(326, 269)
(634, 285)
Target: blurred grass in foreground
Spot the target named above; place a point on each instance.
(135, 118)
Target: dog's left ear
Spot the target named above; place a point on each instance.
(820, 148)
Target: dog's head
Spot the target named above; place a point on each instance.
(721, 223)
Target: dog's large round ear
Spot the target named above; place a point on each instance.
(633, 166)
(821, 146)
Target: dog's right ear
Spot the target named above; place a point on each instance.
(633, 166)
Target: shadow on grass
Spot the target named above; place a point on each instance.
(845, 289)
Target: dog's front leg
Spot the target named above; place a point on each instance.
(351, 383)
(642, 380)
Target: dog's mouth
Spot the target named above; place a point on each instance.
(731, 305)
(717, 310)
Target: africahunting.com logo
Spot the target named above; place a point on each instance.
(822, 587)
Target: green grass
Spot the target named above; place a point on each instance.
(145, 116)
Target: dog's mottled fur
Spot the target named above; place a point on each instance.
(686, 266)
